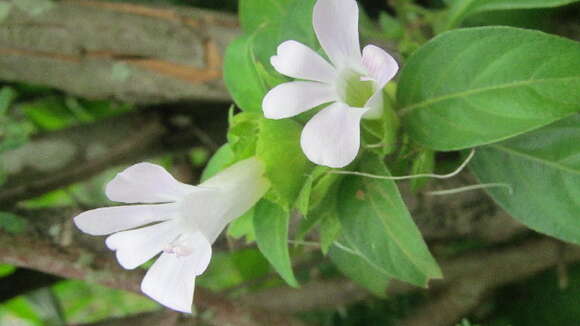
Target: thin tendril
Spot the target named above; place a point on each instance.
(406, 177)
(377, 145)
(471, 187)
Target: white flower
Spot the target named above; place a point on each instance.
(187, 219)
(352, 84)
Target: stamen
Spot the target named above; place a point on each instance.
(178, 250)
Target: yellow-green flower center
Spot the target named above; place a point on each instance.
(353, 91)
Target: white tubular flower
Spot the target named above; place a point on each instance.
(353, 84)
(179, 221)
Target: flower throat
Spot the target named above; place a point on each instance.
(354, 91)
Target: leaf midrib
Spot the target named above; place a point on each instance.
(408, 109)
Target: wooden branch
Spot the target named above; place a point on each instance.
(127, 52)
(54, 160)
(40, 250)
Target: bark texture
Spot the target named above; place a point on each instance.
(121, 51)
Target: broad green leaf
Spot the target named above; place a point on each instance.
(271, 229)
(241, 76)
(286, 166)
(359, 270)
(377, 226)
(248, 73)
(481, 85)
(297, 24)
(223, 157)
(543, 168)
(462, 8)
(256, 13)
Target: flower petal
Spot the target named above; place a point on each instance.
(336, 26)
(240, 187)
(171, 279)
(135, 247)
(332, 136)
(289, 99)
(296, 60)
(109, 220)
(205, 212)
(380, 65)
(146, 183)
(375, 105)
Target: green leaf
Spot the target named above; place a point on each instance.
(323, 202)
(23, 309)
(462, 8)
(241, 76)
(49, 113)
(271, 229)
(47, 306)
(6, 270)
(377, 226)
(256, 13)
(286, 166)
(243, 226)
(543, 168)
(222, 158)
(297, 24)
(481, 85)
(248, 73)
(12, 223)
(329, 231)
(243, 134)
(359, 270)
(303, 200)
